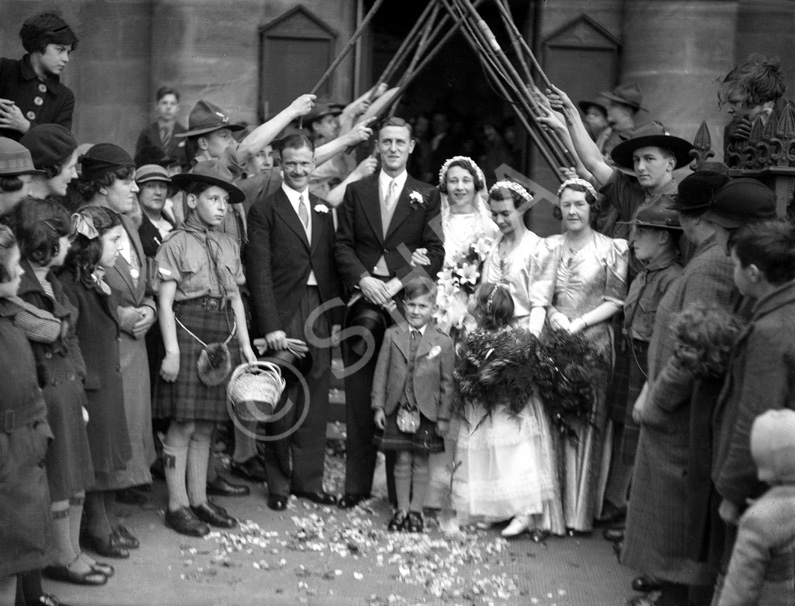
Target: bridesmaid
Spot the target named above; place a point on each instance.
(590, 287)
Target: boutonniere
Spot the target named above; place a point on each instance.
(321, 208)
(416, 199)
(435, 351)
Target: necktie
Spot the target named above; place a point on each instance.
(303, 213)
(165, 135)
(408, 390)
(391, 195)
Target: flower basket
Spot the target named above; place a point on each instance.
(254, 390)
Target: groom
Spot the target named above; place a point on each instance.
(388, 228)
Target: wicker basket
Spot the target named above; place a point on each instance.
(254, 390)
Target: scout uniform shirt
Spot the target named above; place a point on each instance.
(645, 293)
(202, 261)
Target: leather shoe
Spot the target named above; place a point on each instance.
(277, 502)
(251, 470)
(614, 535)
(209, 514)
(611, 514)
(350, 500)
(321, 497)
(398, 521)
(125, 537)
(109, 548)
(66, 575)
(185, 522)
(414, 522)
(644, 584)
(221, 487)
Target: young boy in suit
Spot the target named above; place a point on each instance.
(412, 396)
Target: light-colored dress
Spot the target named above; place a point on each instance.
(507, 465)
(585, 279)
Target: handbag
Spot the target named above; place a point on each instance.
(408, 418)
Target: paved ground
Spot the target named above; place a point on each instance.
(326, 557)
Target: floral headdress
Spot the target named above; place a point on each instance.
(449, 161)
(514, 187)
(577, 181)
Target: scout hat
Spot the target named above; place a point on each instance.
(598, 102)
(49, 144)
(742, 201)
(214, 173)
(658, 212)
(696, 191)
(205, 117)
(15, 159)
(322, 109)
(102, 159)
(651, 134)
(627, 94)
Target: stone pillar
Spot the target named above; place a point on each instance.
(675, 51)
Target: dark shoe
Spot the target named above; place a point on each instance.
(208, 514)
(157, 470)
(46, 599)
(611, 514)
(251, 470)
(644, 584)
(109, 548)
(398, 521)
(217, 507)
(614, 535)
(321, 498)
(538, 535)
(126, 538)
(277, 502)
(66, 575)
(130, 496)
(578, 533)
(414, 522)
(350, 500)
(185, 522)
(221, 487)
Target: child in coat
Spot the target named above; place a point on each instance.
(762, 566)
(199, 304)
(412, 396)
(94, 250)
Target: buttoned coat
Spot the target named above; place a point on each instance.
(279, 259)
(761, 377)
(433, 371)
(360, 235)
(20, 84)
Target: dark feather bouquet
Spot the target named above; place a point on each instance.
(705, 334)
(569, 372)
(496, 367)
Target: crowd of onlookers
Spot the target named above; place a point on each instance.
(632, 372)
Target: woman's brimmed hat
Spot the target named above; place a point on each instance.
(214, 173)
(651, 134)
(103, 158)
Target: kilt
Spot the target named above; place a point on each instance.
(619, 386)
(423, 440)
(638, 371)
(187, 398)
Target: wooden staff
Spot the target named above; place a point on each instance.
(489, 47)
(403, 51)
(505, 11)
(351, 43)
(500, 80)
(515, 35)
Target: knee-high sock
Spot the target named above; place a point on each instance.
(62, 531)
(175, 460)
(420, 477)
(75, 516)
(98, 523)
(403, 480)
(245, 441)
(198, 460)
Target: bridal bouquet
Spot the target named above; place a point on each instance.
(458, 281)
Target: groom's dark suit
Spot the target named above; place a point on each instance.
(361, 242)
(279, 259)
